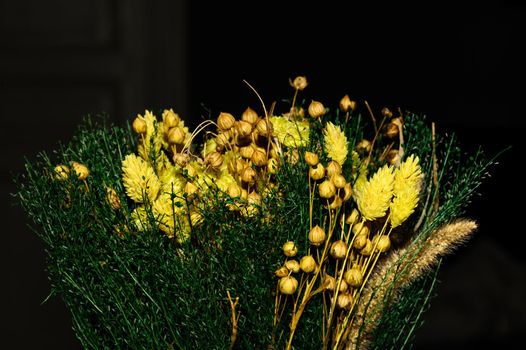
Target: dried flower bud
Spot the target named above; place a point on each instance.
(222, 139)
(329, 283)
(364, 146)
(333, 168)
(360, 241)
(139, 125)
(316, 236)
(338, 181)
(234, 190)
(292, 265)
(367, 249)
(243, 128)
(347, 192)
(81, 170)
(246, 151)
(248, 175)
(353, 218)
(339, 249)
(346, 104)
(293, 156)
(353, 277)
(61, 172)
(112, 198)
(176, 136)
(299, 83)
(327, 189)
(382, 243)
(318, 172)
(288, 285)
(170, 119)
(214, 160)
(386, 112)
(254, 198)
(361, 228)
(316, 109)
(181, 159)
(393, 157)
(344, 301)
(250, 116)
(272, 166)
(392, 130)
(311, 158)
(281, 272)
(259, 157)
(225, 121)
(308, 264)
(343, 286)
(290, 249)
(264, 127)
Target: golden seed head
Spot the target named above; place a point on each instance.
(181, 159)
(367, 249)
(250, 116)
(225, 121)
(248, 175)
(243, 128)
(292, 265)
(353, 277)
(346, 105)
(223, 139)
(272, 166)
(361, 228)
(318, 172)
(234, 190)
(139, 125)
(316, 236)
(353, 218)
(308, 264)
(170, 119)
(360, 241)
(290, 249)
(61, 172)
(311, 158)
(382, 243)
(246, 151)
(299, 83)
(339, 249)
(392, 130)
(316, 109)
(264, 127)
(386, 112)
(176, 136)
(281, 272)
(343, 286)
(333, 168)
(112, 198)
(81, 170)
(288, 285)
(339, 181)
(329, 282)
(344, 301)
(259, 157)
(214, 160)
(393, 157)
(327, 189)
(364, 146)
(347, 192)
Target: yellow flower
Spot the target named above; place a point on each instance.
(140, 218)
(406, 191)
(291, 133)
(169, 213)
(374, 197)
(335, 143)
(209, 147)
(224, 180)
(139, 179)
(152, 141)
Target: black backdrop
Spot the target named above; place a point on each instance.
(463, 67)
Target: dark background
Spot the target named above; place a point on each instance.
(463, 67)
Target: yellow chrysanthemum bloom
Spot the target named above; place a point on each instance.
(209, 147)
(335, 143)
(224, 180)
(169, 213)
(406, 191)
(139, 179)
(172, 181)
(291, 133)
(374, 197)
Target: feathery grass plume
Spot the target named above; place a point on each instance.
(374, 197)
(407, 179)
(291, 133)
(152, 141)
(335, 143)
(139, 179)
(400, 268)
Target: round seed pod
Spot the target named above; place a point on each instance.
(391, 130)
(393, 157)
(361, 228)
(288, 285)
(290, 249)
(170, 119)
(364, 146)
(327, 189)
(250, 116)
(386, 112)
(264, 127)
(61, 172)
(190, 189)
(299, 83)
(344, 301)
(336, 203)
(214, 160)
(316, 109)
(281, 272)
(339, 249)
(139, 125)
(360, 241)
(333, 168)
(243, 128)
(329, 282)
(272, 166)
(181, 159)
(223, 139)
(382, 243)
(367, 249)
(354, 217)
(308, 264)
(176, 136)
(225, 121)
(292, 265)
(317, 172)
(344, 287)
(80, 170)
(234, 190)
(254, 198)
(339, 181)
(248, 175)
(113, 198)
(347, 192)
(346, 105)
(311, 158)
(259, 157)
(317, 236)
(353, 277)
